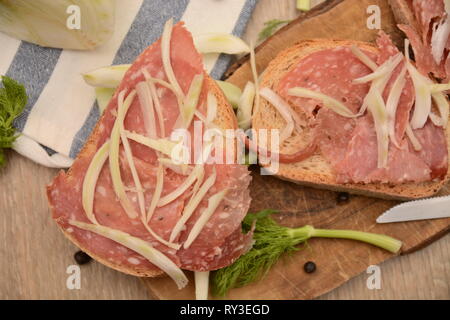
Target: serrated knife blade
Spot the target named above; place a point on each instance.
(432, 208)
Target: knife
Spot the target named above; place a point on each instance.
(432, 208)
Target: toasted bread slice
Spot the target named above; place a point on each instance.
(316, 171)
(225, 119)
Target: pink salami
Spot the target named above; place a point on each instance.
(422, 54)
(426, 11)
(331, 72)
(360, 164)
(350, 145)
(427, 14)
(434, 151)
(219, 243)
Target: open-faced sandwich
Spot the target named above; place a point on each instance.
(127, 202)
(356, 117)
(347, 115)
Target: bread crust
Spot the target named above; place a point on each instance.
(225, 119)
(316, 172)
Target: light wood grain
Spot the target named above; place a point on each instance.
(34, 254)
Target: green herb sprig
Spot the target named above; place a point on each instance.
(270, 27)
(13, 99)
(273, 240)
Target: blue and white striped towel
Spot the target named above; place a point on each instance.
(61, 111)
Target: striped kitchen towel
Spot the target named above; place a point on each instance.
(61, 111)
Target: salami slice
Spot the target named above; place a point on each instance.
(422, 54)
(219, 243)
(331, 72)
(427, 11)
(434, 149)
(360, 163)
(350, 145)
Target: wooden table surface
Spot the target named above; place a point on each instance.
(34, 255)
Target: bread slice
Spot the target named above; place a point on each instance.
(316, 171)
(225, 119)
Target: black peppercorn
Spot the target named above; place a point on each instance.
(81, 258)
(343, 197)
(309, 267)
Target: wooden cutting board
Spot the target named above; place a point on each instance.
(337, 260)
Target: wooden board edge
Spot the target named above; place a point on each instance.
(316, 11)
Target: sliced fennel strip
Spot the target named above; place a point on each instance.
(213, 204)
(147, 108)
(106, 77)
(158, 109)
(412, 137)
(157, 193)
(328, 102)
(440, 34)
(167, 64)
(201, 285)
(439, 87)
(161, 82)
(162, 145)
(441, 102)
(255, 79)
(198, 183)
(364, 58)
(140, 246)
(284, 109)
(385, 68)
(114, 163)
(392, 104)
(181, 189)
(151, 82)
(192, 205)
(140, 193)
(220, 43)
(90, 180)
(191, 100)
(181, 169)
(378, 109)
(245, 106)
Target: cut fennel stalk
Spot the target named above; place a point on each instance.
(220, 43)
(201, 285)
(106, 77)
(44, 22)
(273, 240)
(114, 163)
